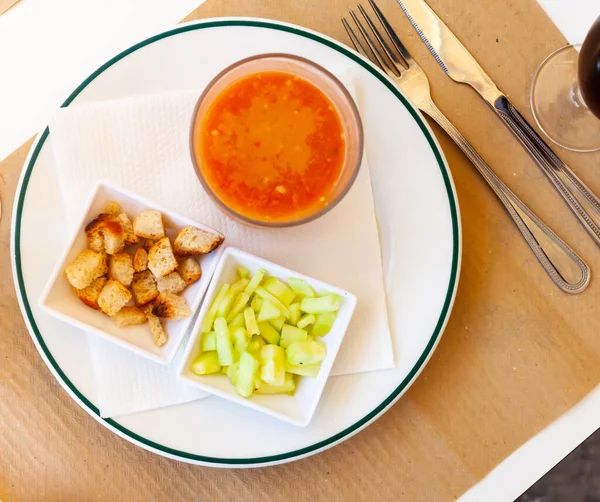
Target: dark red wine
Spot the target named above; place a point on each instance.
(589, 69)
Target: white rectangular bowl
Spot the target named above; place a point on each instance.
(59, 299)
(299, 408)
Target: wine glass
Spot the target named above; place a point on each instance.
(565, 94)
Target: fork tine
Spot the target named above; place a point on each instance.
(391, 70)
(397, 62)
(391, 33)
(355, 40)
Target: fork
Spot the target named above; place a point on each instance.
(566, 269)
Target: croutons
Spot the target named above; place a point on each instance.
(192, 241)
(90, 295)
(121, 269)
(113, 297)
(113, 207)
(129, 316)
(86, 268)
(189, 270)
(149, 224)
(148, 243)
(144, 287)
(170, 306)
(159, 334)
(140, 260)
(109, 228)
(172, 283)
(161, 260)
(130, 237)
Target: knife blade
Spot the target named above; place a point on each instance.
(458, 63)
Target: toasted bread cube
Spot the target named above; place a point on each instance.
(189, 270)
(113, 297)
(129, 316)
(120, 268)
(96, 241)
(130, 237)
(111, 230)
(149, 224)
(161, 260)
(148, 243)
(172, 283)
(90, 295)
(114, 208)
(156, 328)
(144, 287)
(86, 268)
(140, 260)
(193, 241)
(170, 306)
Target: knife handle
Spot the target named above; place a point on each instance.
(580, 199)
(564, 266)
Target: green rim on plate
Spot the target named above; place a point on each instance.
(349, 430)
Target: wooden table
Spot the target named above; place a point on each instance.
(515, 355)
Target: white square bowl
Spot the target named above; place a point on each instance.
(59, 300)
(299, 408)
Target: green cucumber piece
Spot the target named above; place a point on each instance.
(268, 311)
(272, 364)
(209, 341)
(255, 344)
(224, 345)
(247, 374)
(288, 387)
(309, 370)
(265, 295)
(268, 332)
(301, 287)
(206, 364)
(237, 322)
(209, 318)
(303, 353)
(250, 318)
(243, 272)
(305, 320)
(328, 303)
(255, 281)
(295, 313)
(277, 323)
(226, 303)
(232, 372)
(280, 290)
(240, 340)
(239, 304)
(256, 304)
(240, 285)
(323, 323)
(290, 334)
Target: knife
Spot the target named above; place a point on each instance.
(458, 63)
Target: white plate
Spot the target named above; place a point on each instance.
(59, 300)
(418, 216)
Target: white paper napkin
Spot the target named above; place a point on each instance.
(142, 144)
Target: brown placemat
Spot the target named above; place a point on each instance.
(516, 354)
(7, 4)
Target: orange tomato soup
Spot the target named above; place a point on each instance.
(271, 147)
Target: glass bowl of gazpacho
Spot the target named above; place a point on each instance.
(276, 140)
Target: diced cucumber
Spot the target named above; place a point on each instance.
(255, 344)
(247, 374)
(280, 290)
(240, 285)
(224, 345)
(311, 338)
(338, 299)
(255, 281)
(305, 320)
(288, 387)
(323, 323)
(256, 304)
(237, 322)
(240, 303)
(268, 311)
(209, 318)
(209, 341)
(240, 341)
(328, 303)
(295, 313)
(272, 361)
(301, 287)
(290, 334)
(310, 370)
(243, 272)
(206, 364)
(265, 295)
(250, 318)
(277, 323)
(226, 303)
(303, 353)
(232, 372)
(224, 369)
(268, 332)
